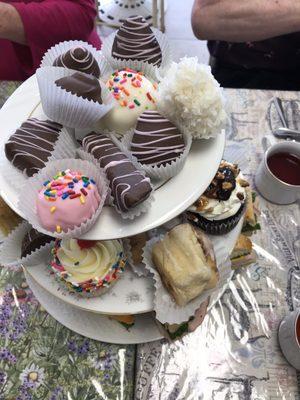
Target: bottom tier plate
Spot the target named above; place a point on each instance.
(99, 327)
(92, 325)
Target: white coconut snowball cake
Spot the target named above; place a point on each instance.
(191, 97)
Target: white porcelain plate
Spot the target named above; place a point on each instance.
(130, 294)
(170, 198)
(95, 326)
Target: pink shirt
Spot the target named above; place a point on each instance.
(46, 22)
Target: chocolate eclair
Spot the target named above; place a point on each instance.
(30, 147)
(128, 185)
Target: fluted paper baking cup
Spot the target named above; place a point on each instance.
(10, 250)
(66, 108)
(145, 67)
(65, 147)
(28, 196)
(96, 292)
(132, 213)
(167, 311)
(163, 171)
(138, 268)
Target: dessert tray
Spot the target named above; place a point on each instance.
(114, 160)
(170, 198)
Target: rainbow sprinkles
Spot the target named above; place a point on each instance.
(67, 200)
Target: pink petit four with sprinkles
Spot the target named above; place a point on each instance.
(66, 201)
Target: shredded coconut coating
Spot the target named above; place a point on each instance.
(191, 97)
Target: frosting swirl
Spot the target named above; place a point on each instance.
(215, 209)
(83, 264)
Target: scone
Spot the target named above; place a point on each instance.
(186, 263)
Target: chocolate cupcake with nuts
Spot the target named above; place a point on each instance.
(223, 203)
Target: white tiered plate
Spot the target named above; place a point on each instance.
(170, 198)
(95, 326)
(130, 294)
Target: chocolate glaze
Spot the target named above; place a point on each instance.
(128, 185)
(156, 140)
(82, 85)
(135, 40)
(30, 147)
(80, 59)
(33, 240)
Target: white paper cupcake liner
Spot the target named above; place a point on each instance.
(167, 311)
(65, 147)
(159, 172)
(145, 67)
(29, 193)
(138, 268)
(66, 108)
(131, 214)
(148, 70)
(94, 293)
(10, 250)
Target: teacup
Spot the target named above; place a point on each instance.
(270, 186)
(289, 338)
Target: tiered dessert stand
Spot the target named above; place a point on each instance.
(131, 294)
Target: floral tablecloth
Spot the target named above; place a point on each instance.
(41, 359)
(233, 355)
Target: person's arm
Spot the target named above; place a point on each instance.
(244, 20)
(11, 25)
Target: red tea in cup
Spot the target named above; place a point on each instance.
(285, 166)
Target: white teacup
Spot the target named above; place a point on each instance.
(288, 340)
(269, 186)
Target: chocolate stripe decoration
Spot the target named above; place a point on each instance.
(30, 147)
(80, 59)
(156, 140)
(135, 40)
(128, 185)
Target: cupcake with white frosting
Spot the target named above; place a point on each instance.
(221, 206)
(87, 268)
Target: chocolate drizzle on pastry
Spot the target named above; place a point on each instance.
(33, 240)
(30, 147)
(80, 59)
(224, 182)
(135, 40)
(128, 185)
(82, 85)
(156, 140)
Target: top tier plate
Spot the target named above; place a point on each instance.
(170, 198)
